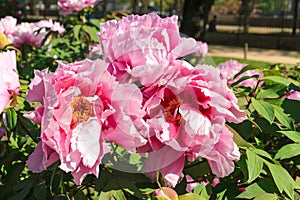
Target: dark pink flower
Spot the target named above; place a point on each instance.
(186, 112)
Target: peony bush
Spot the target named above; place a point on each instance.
(119, 110)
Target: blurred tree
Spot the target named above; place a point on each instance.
(195, 17)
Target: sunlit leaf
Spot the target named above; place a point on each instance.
(288, 151)
(293, 135)
(282, 179)
(254, 164)
(277, 79)
(265, 109)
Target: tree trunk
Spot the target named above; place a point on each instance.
(195, 17)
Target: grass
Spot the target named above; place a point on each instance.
(218, 60)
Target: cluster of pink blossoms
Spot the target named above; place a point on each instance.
(141, 97)
(230, 68)
(69, 6)
(27, 33)
(9, 79)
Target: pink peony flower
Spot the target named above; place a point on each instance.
(68, 6)
(34, 33)
(186, 112)
(82, 107)
(8, 27)
(9, 80)
(293, 95)
(230, 68)
(26, 34)
(53, 26)
(143, 46)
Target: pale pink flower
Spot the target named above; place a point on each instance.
(230, 68)
(186, 112)
(9, 79)
(53, 26)
(82, 106)
(143, 46)
(69, 6)
(26, 33)
(8, 27)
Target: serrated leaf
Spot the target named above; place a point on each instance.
(282, 179)
(293, 135)
(288, 151)
(254, 164)
(277, 79)
(265, 109)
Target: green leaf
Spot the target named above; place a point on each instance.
(266, 196)
(251, 191)
(277, 79)
(199, 188)
(95, 23)
(21, 194)
(293, 135)
(112, 195)
(238, 139)
(265, 109)
(282, 117)
(282, 179)
(288, 151)
(11, 117)
(190, 196)
(76, 30)
(242, 79)
(79, 195)
(254, 164)
(246, 68)
(262, 153)
(92, 31)
(270, 92)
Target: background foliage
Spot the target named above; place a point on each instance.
(269, 140)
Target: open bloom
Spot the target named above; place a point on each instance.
(143, 46)
(186, 113)
(68, 6)
(8, 27)
(81, 108)
(9, 80)
(34, 33)
(230, 68)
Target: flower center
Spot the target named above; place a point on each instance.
(171, 112)
(82, 110)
